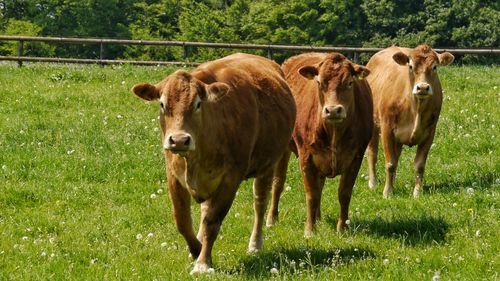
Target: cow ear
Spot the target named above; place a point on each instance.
(146, 91)
(360, 71)
(215, 91)
(400, 58)
(445, 58)
(183, 73)
(309, 71)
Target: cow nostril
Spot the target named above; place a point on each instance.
(327, 112)
(171, 140)
(187, 141)
(339, 110)
(418, 88)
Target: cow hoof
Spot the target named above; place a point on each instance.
(372, 184)
(416, 193)
(201, 268)
(308, 233)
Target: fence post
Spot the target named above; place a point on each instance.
(101, 53)
(355, 57)
(20, 53)
(185, 52)
(269, 53)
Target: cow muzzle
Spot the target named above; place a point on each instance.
(179, 143)
(334, 114)
(422, 90)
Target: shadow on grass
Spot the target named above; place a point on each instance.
(424, 230)
(293, 260)
(481, 181)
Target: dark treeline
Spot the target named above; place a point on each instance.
(367, 23)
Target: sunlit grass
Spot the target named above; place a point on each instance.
(83, 193)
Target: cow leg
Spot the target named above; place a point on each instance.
(346, 185)
(392, 151)
(279, 178)
(203, 211)
(181, 201)
(214, 213)
(313, 183)
(372, 158)
(419, 163)
(261, 187)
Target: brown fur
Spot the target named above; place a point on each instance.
(402, 117)
(241, 130)
(327, 149)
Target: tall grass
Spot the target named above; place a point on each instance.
(83, 193)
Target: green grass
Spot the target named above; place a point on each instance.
(82, 175)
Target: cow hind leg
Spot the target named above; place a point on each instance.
(372, 152)
(261, 187)
(279, 178)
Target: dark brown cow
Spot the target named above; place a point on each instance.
(407, 101)
(223, 122)
(333, 127)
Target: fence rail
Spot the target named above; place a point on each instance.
(185, 45)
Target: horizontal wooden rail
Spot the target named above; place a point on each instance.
(185, 44)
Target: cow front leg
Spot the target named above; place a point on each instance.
(392, 151)
(181, 201)
(261, 187)
(419, 164)
(372, 152)
(279, 178)
(214, 211)
(313, 184)
(347, 180)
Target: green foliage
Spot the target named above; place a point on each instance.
(24, 28)
(373, 23)
(82, 175)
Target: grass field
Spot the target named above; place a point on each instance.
(83, 193)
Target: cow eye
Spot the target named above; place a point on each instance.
(198, 105)
(410, 66)
(350, 84)
(434, 68)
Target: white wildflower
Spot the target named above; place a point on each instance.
(159, 191)
(138, 236)
(274, 271)
(25, 238)
(164, 244)
(385, 262)
(152, 196)
(348, 222)
(69, 152)
(470, 190)
(478, 233)
(150, 235)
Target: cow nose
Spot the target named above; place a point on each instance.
(179, 142)
(334, 112)
(422, 88)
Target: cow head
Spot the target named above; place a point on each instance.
(422, 65)
(182, 98)
(335, 77)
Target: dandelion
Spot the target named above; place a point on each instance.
(436, 276)
(155, 129)
(43, 254)
(159, 191)
(385, 262)
(455, 204)
(418, 260)
(93, 261)
(123, 82)
(348, 222)
(152, 196)
(150, 235)
(52, 255)
(288, 188)
(4, 167)
(69, 152)
(163, 244)
(478, 233)
(25, 238)
(470, 190)
(138, 236)
(274, 271)
(119, 116)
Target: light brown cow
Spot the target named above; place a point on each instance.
(333, 127)
(223, 122)
(407, 101)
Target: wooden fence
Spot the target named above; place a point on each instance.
(355, 51)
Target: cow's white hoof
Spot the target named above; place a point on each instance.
(201, 268)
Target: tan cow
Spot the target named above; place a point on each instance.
(333, 127)
(407, 101)
(223, 122)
